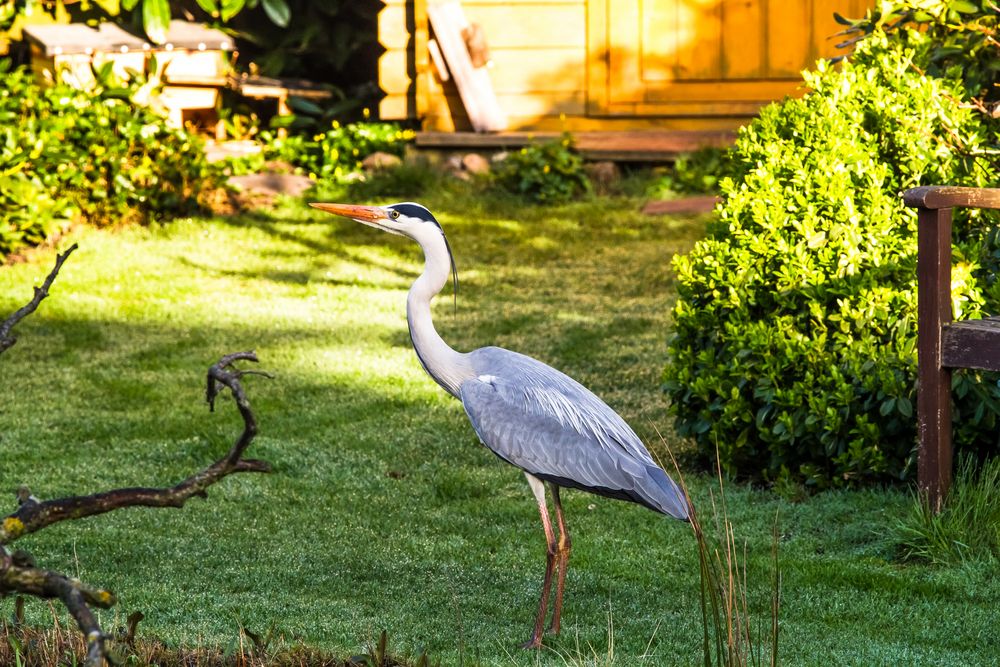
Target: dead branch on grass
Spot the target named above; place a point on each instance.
(19, 574)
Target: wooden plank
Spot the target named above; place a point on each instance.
(946, 196)
(598, 56)
(972, 344)
(695, 108)
(421, 58)
(542, 71)
(392, 75)
(933, 379)
(530, 4)
(730, 91)
(742, 39)
(396, 107)
(683, 206)
(194, 36)
(625, 76)
(474, 86)
(654, 146)
(519, 26)
(789, 38)
(824, 27)
(393, 32)
(588, 123)
(699, 51)
(660, 39)
(536, 103)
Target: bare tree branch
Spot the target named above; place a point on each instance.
(32, 514)
(18, 574)
(7, 339)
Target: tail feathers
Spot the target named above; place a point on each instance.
(665, 495)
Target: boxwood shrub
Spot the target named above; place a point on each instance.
(794, 335)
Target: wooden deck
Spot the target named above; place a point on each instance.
(620, 146)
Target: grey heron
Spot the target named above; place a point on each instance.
(527, 413)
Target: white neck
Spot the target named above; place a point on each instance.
(448, 367)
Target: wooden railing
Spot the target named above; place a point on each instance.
(942, 344)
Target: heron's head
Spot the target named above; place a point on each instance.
(406, 218)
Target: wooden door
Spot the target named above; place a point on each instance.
(704, 57)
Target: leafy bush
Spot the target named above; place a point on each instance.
(548, 173)
(337, 153)
(968, 526)
(794, 334)
(28, 214)
(699, 172)
(93, 154)
(959, 39)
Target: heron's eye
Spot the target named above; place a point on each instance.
(394, 214)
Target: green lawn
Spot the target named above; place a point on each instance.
(383, 510)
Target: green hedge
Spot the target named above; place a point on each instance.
(92, 155)
(793, 344)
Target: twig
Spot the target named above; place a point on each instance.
(33, 515)
(18, 573)
(7, 339)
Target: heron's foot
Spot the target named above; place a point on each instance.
(553, 627)
(533, 643)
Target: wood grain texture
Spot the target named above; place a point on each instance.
(934, 455)
(946, 196)
(972, 344)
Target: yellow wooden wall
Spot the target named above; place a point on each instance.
(614, 64)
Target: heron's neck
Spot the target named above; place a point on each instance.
(448, 367)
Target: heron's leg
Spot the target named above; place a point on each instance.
(562, 553)
(538, 488)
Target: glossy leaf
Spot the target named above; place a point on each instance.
(278, 11)
(210, 7)
(231, 8)
(156, 20)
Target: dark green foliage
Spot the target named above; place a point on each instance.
(93, 154)
(336, 154)
(961, 39)
(794, 338)
(548, 173)
(699, 172)
(966, 529)
(333, 42)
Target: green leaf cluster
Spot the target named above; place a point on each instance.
(548, 172)
(90, 154)
(793, 347)
(958, 39)
(697, 172)
(336, 154)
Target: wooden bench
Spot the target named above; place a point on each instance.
(942, 344)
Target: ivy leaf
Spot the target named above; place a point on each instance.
(278, 12)
(156, 19)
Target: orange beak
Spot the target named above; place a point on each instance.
(368, 214)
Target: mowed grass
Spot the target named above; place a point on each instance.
(383, 511)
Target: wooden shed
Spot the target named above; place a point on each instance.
(193, 62)
(584, 65)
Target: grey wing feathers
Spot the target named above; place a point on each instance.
(551, 426)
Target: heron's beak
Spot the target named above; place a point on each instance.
(370, 215)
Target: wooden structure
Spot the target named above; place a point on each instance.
(942, 344)
(603, 65)
(193, 61)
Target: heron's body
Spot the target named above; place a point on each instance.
(526, 412)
